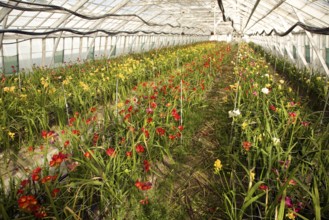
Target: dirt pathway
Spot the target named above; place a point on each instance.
(189, 178)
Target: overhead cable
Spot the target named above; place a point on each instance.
(23, 32)
(311, 29)
(43, 8)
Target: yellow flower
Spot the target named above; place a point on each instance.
(289, 89)
(66, 81)
(290, 215)
(225, 99)
(244, 125)
(120, 105)
(268, 85)
(23, 96)
(281, 81)
(252, 175)
(84, 86)
(121, 76)
(218, 165)
(11, 135)
(9, 89)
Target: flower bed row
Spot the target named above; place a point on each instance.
(311, 84)
(122, 117)
(278, 153)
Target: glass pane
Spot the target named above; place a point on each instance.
(91, 53)
(59, 56)
(307, 53)
(327, 57)
(10, 65)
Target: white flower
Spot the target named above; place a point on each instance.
(266, 75)
(234, 113)
(265, 90)
(281, 81)
(276, 141)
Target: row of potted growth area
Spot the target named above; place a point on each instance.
(123, 116)
(279, 151)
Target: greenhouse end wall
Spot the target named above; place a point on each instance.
(23, 54)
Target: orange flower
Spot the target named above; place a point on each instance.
(143, 185)
(57, 159)
(246, 145)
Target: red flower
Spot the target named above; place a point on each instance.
(129, 154)
(144, 201)
(66, 143)
(24, 183)
(76, 132)
(87, 154)
(146, 132)
(20, 191)
(180, 127)
(95, 138)
(172, 137)
(127, 116)
(160, 131)
(57, 159)
(44, 134)
(263, 187)
(28, 203)
(110, 152)
(93, 109)
(149, 120)
(292, 114)
(55, 192)
(153, 105)
(71, 121)
(30, 149)
(273, 108)
(246, 145)
(146, 165)
(143, 185)
(305, 123)
(175, 114)
(140, 148)
(48, 179)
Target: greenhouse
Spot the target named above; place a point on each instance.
(164, 109)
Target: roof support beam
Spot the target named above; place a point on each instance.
(99, 22)
(251, 13)
(275, 7)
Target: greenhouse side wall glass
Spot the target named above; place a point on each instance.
(164, 109)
